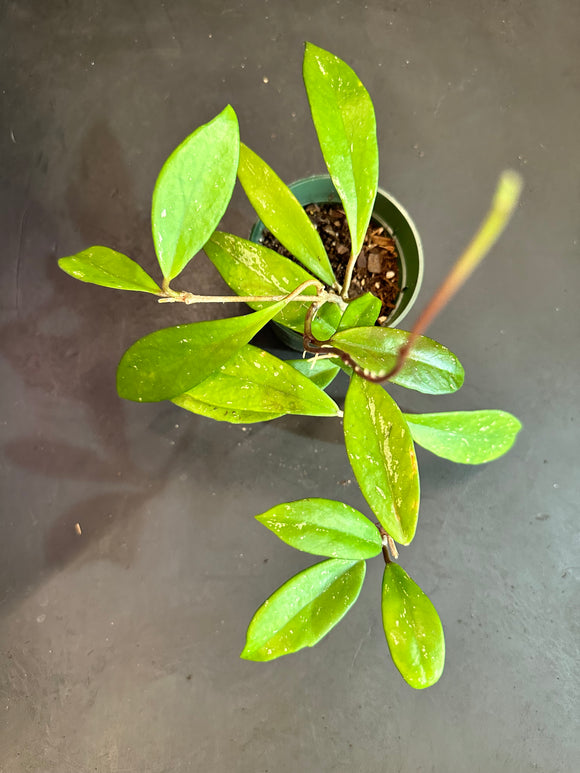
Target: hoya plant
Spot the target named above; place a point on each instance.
(211, 368)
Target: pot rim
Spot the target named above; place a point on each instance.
(408, 299)
(414, 231)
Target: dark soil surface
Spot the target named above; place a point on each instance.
(377, 268)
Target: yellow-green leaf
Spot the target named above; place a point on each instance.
(430, 368)
(304, 609)
(361, 312)
(283, 215)
(467, 437)
(105, 267)
(217, 413)
(253, 270)
(381, 452)
(169, 362)
(323, 527)
(256, 381)
(318, 369)
(413, 629)
(193, 190)
(344, 119)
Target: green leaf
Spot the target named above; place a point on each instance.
(324, 527)
(413, 629)
(304, 609)
(344, 119)
(217, 413)
(321, 372)
(361, 312)
(256, 381)
(283, 215)
(381, 452)
(468, 437)
(169, 362)
(431, 368)
(105, 267)
(193, 190)
(253, 270)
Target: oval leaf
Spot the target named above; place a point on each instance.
(324, 527)
(467, 437)
(217, 413)
(304, 610)
(344, 119)
(105, 267)
(252, 269)
(193, 190)
(413, 629)
(430, 368)
(169, 362)
(256, 381)
(380, 449)
(361, 312)
(320, 371)
(283, 215)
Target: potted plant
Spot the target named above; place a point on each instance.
(210, 368)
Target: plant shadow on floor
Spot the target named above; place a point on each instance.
(63, 342)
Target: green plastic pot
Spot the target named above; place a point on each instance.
(394, 218)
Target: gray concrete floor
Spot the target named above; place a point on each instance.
(119, 647)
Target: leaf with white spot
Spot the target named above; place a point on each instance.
(430, 367)
(193, 191)
(217, 413)
(257, 382)
(413, 629)
(169, 362)
(107, 268)
(381, 452)
(323, 527)
(252, 269)
(283, 215)
(304, 609)
(467, 437)
(344, 118)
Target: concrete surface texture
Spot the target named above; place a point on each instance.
(119, 646)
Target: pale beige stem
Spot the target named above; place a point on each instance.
(348, 275)
(174, 296)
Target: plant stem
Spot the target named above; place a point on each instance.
(348, 275)
(388, 545)
(189, 298)
(385, 541)
(173, 296)
(502, 207)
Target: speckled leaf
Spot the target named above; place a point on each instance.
(105, 267)
(304, 610)
(252, 269)
(381, 452)
(169, 362)
(431, 368)
(217, 413)
(321, 371)
(256, 381)
(362, 312)
(468, 437)
(324, 527)
(344, 119)
(283, 215)
(193, 190)
(413, 629)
